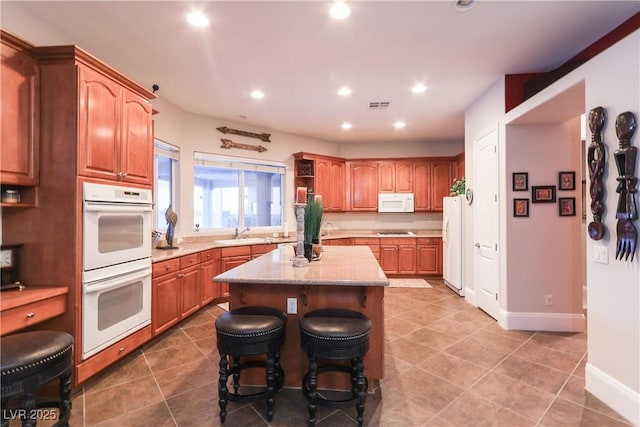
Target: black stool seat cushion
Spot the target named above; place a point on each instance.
(334, 328)
(28, 353)
(240, 328)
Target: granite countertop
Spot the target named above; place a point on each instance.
(339, 265)
(198, 244)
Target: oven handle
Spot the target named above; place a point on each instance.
(116, 282)
(111, 207)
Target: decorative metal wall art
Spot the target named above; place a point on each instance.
(229, 144)
(596, 162)
(627, 210)
(261, 136)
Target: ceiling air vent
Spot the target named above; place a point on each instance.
(379, 105)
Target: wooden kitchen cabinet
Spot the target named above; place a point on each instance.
(20, 119)
(372, 242)
(429, 256)
(166, 290)
(398, 255)
(115, 134)
(324, 176)
(395, 177)
(363, 186)
(232, 257)
(209, 269)
(432, 181)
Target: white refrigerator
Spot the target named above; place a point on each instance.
(452, 243)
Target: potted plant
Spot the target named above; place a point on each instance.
(458, 187)
(312, 222)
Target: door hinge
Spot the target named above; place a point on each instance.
(495, 197)
(496, 247)
(496, 297)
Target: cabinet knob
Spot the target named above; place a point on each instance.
(168, 267)
(477, 245)
(124, 174)
(180, 276)
(30, 315)
(121, 349)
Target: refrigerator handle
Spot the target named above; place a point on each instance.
(445, 231)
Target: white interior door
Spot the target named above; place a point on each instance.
(487, 220)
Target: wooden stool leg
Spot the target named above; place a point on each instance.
(271, 380)
(361, 385)
(222, 387)
(278, 370)
(65, 400)
(313, 390)
(29, 406)
(236, 373)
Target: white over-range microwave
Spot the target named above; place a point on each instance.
(395, 202)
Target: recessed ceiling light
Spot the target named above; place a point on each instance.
(418, 88)
(463, 5)
(339, 10)
(344, 91)
(346, 125)
(399, 124)
(257, 94)
(198, 19)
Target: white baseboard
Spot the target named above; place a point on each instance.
(552, 322)
(470, 296)
(618, 396)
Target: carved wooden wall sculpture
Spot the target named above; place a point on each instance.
(229, 144)
(596, 162)
(261, 136)
(627, 210)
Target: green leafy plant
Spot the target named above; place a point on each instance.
(458, 187)
(312, 220)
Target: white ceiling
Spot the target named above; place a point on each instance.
(300, 57)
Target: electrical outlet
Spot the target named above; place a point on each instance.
(601, 254)
(548, 300)
(292, 306)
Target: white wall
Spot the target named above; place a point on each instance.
(479, 117)
(611, 80)
(613, 371)
(543, 253)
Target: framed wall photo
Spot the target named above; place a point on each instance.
(520, 181)
(566, 180)
(567, 206)
(543, 194)
(520, 207)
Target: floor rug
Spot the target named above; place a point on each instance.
(224, 306)
(409, 283)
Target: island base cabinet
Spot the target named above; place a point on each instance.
(365, 299)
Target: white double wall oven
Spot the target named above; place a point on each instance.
(116, 277)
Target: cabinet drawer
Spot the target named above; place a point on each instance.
(165, 267)
(257, 250)
(366, 241)
(235, 251)
(206, 255)
(26, 315)
(189, 260)
(429, 240)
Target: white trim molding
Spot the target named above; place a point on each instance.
(470, 296)
(618, 396)
(550, 322)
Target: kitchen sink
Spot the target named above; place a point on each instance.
(247, 241)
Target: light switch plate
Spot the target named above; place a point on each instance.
(292, 306)
(601, 254)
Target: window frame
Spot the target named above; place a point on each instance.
(242, 164)
(172, 152)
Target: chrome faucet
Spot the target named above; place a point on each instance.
(240, 232)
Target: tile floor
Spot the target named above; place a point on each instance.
(447, 364)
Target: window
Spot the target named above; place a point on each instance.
(166, 161)
(230, 192)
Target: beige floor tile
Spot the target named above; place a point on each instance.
(156, 415)
(424, 389)
(174, 356)
(471, 410)
(186, 377)
(453, 369)
(173, 337)
(543, 377)
(409, 350)
(565, 413)
(200, 331)
(103, 404)
(547, 356)
(575, 392)
(395, 328)
(452, 328)
(432, 338)
(570, 343)
(483, 348)
(131, 368)
(521, 398)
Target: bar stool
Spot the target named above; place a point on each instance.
(30, 360)
(250, 331)
(335, 334)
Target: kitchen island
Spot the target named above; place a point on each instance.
(345, 277)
